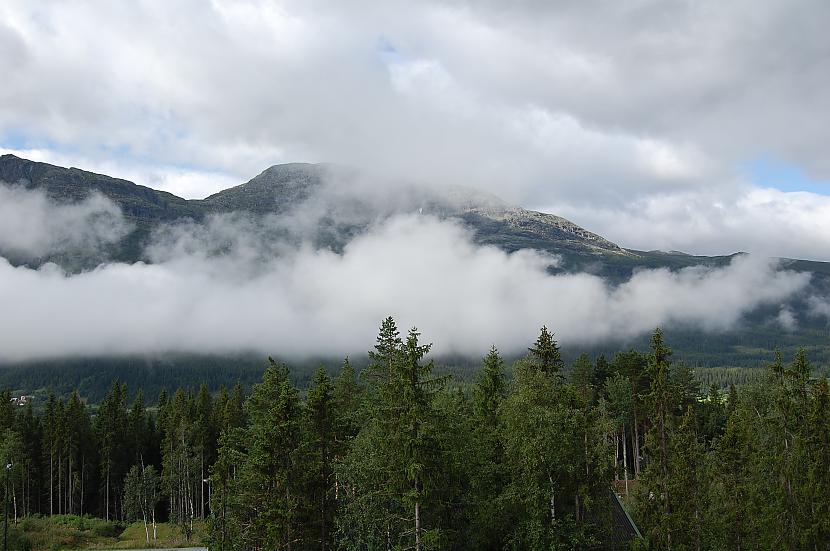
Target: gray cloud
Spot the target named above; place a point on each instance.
(767, 222)
(592, 107)
(819, 307)
(306, 301)
(32, 226)
(787, 319)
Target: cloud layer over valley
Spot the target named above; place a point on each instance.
(229, 286)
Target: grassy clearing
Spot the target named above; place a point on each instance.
(72, 532)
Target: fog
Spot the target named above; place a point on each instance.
(232, 285)
(31, 226)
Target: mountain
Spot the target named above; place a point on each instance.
(283, 189)
(276, 190)
(332, 204)
(139, 203)
(342, 212)
(341, 206)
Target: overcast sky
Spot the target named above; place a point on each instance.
(692, 125)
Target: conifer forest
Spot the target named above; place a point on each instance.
(536, 455)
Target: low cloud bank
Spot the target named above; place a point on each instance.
(819, 307)
(762, 221)
(33, 226)
(301, 301)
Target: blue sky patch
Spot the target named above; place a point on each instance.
(770, 172)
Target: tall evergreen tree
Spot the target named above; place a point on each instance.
(656, 501)
(321, 428)
(491, 388)
(545, 351)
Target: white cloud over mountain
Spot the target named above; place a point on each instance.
(620, 115)
(225, 287)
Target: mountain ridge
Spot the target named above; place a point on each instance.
(281, 188)
(285, 190)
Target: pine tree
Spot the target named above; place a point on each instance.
(272, 504)
(545, 352)
(110, 426)
(491, 388)
(582, 377)
(347, 395)
(729, 472)
(204, 442)
(30, 429)
(602, 371)
(394, 464)
(816, 490)
(685, 484)
(656, 501)
(380, 372)
(79, 454)
(137, 423)
(322, 422)
(414, 435)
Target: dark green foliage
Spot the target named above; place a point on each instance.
(556, 451)
(322, 448)
(545, 352)
(402, 458)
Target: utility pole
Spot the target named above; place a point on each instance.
(6, 510)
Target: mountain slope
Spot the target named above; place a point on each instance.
(327, 196)
(138, 203)
(275, 190)
(332, 205)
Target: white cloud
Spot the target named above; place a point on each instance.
(787, 319)
(819, 307)
(31, 226)
(600, 109)
(758, 220)
(186, 183)
(314, 302)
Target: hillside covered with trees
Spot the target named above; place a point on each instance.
(400, 457)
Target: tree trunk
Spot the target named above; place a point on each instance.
(417, 518)
(60, 483)
(202, 486)
(83, 468)
(625, 460)
(108, 492)
(552, 501)
(636, 447)
(70, 481)
(51, 483)
(146, 530)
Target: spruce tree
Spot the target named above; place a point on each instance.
(321, 421)
(545, 351)
(272, 467)
(491, 388)
(347, 395)
(656, 501)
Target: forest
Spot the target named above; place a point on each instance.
(398, 456)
